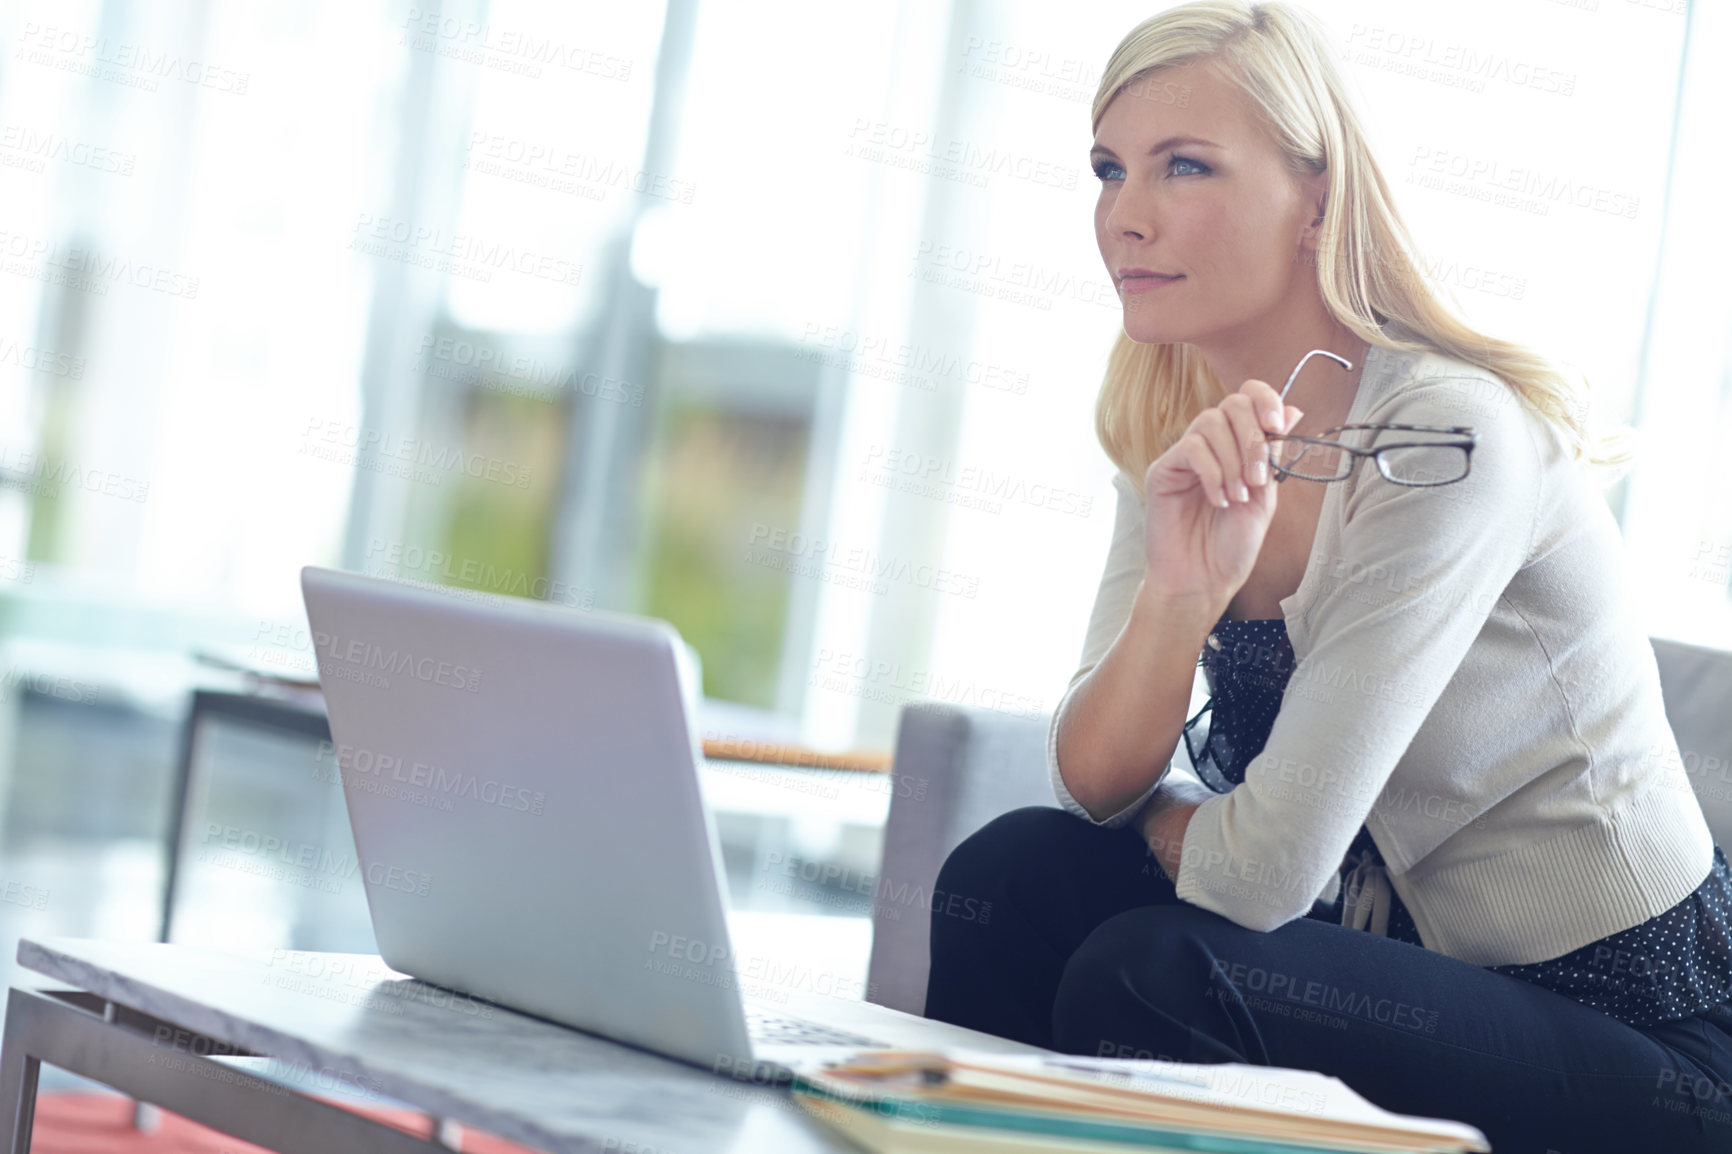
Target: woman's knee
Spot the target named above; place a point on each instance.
(1149, 965)
(1162, 939)
(981, 862)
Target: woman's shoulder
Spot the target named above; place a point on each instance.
(1451, 389)
(1430, 387)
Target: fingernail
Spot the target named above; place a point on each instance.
(1261, 471)
(1244, 493)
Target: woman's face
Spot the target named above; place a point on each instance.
(1218, 211)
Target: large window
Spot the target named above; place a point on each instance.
(781, 321)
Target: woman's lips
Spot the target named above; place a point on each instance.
(1146, 282)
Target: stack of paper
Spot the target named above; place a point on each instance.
(936, 1103)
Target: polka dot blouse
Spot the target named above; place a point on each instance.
(1675, 965)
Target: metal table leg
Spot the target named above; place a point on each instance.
(118, 1051)
(19, 1070)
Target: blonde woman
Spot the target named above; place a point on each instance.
(1442, 845)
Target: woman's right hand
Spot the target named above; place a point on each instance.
(1211, 496)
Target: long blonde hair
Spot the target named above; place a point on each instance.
(1367, 270)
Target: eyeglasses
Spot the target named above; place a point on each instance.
(1425, 454)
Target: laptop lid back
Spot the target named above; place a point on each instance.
(522, 784)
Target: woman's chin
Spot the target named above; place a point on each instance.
(1145, 331)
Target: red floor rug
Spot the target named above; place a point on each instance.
(79, 1123)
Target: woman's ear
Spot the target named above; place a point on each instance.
(1316, 191)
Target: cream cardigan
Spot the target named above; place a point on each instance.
(1473, 684)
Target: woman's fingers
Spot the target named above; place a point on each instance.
(1216, 429)
(1200, 456)
(1267, 403)
(1226, 447)
(1265, 414)
(1234, 431)
(1247, 424)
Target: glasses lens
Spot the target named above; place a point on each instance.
(1424, 464)
(1311, 461)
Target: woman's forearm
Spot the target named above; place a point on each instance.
(1120, 726)
(1165, 819)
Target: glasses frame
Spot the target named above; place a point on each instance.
(1294, 375)
(1462, 437)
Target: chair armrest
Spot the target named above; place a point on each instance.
(955, 769)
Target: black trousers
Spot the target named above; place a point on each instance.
(1076, 941)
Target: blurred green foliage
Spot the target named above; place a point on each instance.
(713, 476)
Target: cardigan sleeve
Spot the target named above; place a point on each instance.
(1374, 668)
(1125, 566)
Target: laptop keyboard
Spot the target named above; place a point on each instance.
(773, 1030)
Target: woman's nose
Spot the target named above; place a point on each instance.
(1132, 213)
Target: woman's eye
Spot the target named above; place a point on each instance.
(1106, 170)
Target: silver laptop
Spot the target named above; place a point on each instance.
(522, 782)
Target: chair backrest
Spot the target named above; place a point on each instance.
(1696, 683)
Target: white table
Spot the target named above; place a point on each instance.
(145, 1018)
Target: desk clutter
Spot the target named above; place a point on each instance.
(934, 1103)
